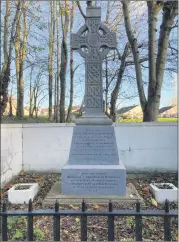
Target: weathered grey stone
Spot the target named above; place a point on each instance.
(93, 167)
(98, 41)
(94, 119)
(93, 145)
(94, 179)
(56, 194)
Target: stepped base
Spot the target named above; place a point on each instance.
(94, 179)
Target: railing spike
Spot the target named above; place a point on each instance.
(56, 206)
(110, 206)
(167, 207)
(30, 205)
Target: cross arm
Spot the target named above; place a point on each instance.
(77, 39)
(109, 40)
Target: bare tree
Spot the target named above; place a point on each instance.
(20, 51)
(71, 67)
(5, 72)
(157, 59)
(64, 59)
(115, 92)
(51, 54)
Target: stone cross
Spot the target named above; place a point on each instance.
(93, 42)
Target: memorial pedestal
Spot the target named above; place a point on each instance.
(94, 180)
(93, 167)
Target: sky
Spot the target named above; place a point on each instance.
(128, 88)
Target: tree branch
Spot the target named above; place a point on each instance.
(80, 9)
(135, 51)
(128, 63)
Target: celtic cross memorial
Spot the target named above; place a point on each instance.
(93, 166)
(93, 41)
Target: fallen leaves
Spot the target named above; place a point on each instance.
(73, 207)
(96, 207)
(21, 172)
(154, 202)
(77, 220)
(97, 226)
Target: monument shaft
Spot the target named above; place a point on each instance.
(93, 167)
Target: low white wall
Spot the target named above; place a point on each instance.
(11, 151)
(45, 147)
(148, 146)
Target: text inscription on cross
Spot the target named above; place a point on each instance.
(93, 42)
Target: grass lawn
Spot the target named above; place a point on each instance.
(140, 120)
(44, 119)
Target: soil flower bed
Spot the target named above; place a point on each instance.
(22, 187)
(97, 226)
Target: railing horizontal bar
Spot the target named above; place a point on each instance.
(50, 212)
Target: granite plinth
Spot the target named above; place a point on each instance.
(131, 197)
(94, 179)
(93, 145)
(94, 119)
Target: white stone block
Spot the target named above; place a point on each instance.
(22, 196)
(162, 194)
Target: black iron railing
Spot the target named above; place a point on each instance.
(84, 213)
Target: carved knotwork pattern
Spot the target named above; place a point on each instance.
(94, 96)
(93, 73)
(94, 24)
(77, 41)
(107, 40)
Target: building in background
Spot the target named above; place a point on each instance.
(169, 112)
(130, 112)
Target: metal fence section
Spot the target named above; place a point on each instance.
(84, 213)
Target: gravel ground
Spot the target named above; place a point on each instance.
(97, 226)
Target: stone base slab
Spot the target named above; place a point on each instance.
(93, 180)
(55, 194)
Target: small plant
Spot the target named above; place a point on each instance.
(38, 234)
(18, 234)
(130, 221)
(17, 229)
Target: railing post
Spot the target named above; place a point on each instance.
(83, 222)
(4, 223)
(30, 222)
(56, 225)
(110, 223)
(138, 223)
(167, 223)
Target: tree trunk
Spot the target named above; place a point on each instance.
(150, 106)
(10, 106)
(63, 67)
(134, 46)
(5, 74)
(6, 35)
(51, 55)
(71, 69)
(151, 111)
(55, 100)
(17, 60)
(58, 67)
(115, 92)
(31, 94)
(20, 50)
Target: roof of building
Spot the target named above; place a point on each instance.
(125, 109)
(164, 109)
